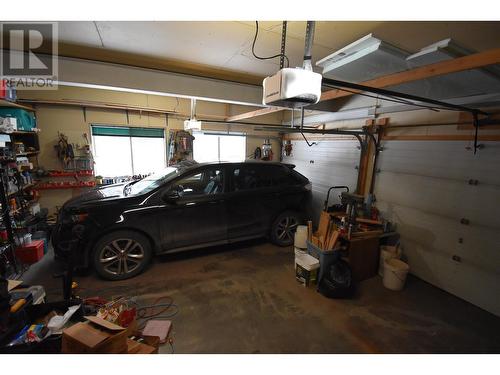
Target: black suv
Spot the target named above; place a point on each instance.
(183, 207)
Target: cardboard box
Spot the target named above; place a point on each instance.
(94, 336)
(134, 347)
(153, 341)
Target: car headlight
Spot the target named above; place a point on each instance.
(75, 218)
(79, 218)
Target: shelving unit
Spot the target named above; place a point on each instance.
(83, 173)
(31, 153)
(23, 188)
(82, 184)
(6, 103)
(17, 220)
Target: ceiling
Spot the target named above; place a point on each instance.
(223, 49)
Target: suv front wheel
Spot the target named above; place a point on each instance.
(284, 227)
(121, 255)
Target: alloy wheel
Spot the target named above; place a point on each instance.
(121, 256)
(286, 228)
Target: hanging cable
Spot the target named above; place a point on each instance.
(269, 57)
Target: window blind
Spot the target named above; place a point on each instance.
(123, 131)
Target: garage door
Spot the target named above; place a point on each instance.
(449, 225)
(326, 164)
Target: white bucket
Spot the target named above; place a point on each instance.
(395, 272)
(301, 237)
(386, 253)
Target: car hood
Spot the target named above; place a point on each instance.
(97, 195)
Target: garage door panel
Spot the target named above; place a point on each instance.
(445, 197)
(429, 265)
(476, 246)
(462, 280)
(446, 160)
(327, 164)
(423, 187)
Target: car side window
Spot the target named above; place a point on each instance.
(283, 177)
(252, 177)
(209, 182)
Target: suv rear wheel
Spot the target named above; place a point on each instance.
(284, 227)
(121, 255)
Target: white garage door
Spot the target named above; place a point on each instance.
(326, 164)
(449, 226)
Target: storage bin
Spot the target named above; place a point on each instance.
(41, 235)
(326, 258)
(25, 119)
(31, 253)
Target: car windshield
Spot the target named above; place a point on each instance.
(151, 182)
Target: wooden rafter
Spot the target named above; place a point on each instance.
(477, 60)
(257, 112)
(92, 104)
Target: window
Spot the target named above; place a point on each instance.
(215, 147)
(126, 151)
(252, 177)
(246, 178)
(208, 182)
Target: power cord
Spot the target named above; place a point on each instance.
(147, 312)
(265, 58)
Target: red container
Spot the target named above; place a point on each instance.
(30, 253)
(3, 89)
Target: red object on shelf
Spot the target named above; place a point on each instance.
(70, 174)
(3, 89)
(30, 253)
(64, 185)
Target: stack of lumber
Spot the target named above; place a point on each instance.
(327, 234)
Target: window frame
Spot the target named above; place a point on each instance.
(168, 187)
(258, 167)
(133, 131)
(219, 135)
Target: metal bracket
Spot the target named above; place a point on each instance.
(464, 221)
(473, 182)
(476, 131)
(283, 45)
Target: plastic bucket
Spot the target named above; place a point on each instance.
(386, 253)
(300, 238)
(395, 272)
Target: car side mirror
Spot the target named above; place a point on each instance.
(170, 196)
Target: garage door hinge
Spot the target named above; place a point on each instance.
(473, 182)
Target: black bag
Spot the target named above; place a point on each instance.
(337, 283)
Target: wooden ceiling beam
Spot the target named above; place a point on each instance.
(477, 60)
(256, 113)
(459, 64)
(100, 105)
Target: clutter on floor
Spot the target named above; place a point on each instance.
(349, 245)
(81, 325)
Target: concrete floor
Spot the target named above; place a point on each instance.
(244, 299)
